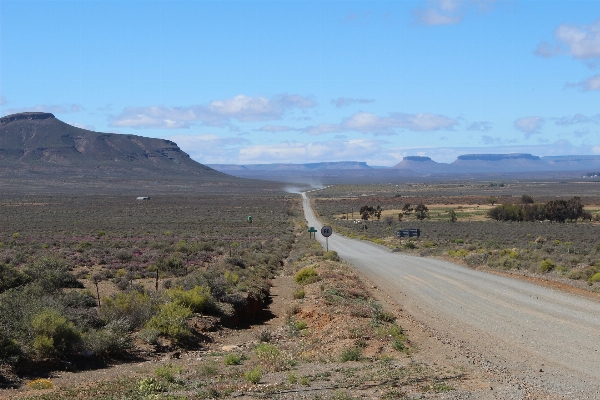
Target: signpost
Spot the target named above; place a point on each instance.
(413, 232)
(250, 219)
(311, 231)
(326, 231)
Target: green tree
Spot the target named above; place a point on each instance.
(527, 199)
(421, 211)
(452, 215)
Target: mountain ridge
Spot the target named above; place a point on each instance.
(40, 149)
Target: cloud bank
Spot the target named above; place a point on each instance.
(217, 113)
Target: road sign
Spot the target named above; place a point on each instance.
(326, 231)
(311, 231)
(413, 232)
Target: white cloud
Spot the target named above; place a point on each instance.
(364, 122)
(82, 126)
(577, 119)
(448, 12)
(211, 149)
(482, 126)
(580, 41)
(48, 108)
(297, 152)
(217, 113)
(589, 84)
(583, 41)
(276, 128)
(529, 125)
(347, 101)
(490, 140)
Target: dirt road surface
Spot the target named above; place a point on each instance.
(545, 338)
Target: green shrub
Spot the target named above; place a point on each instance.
(331, 256)
(53, 334)
(150, 385)
(546, 265)
(233, 359)
(9, 349)
(197, 299)
(113, 339)
(168, 372)
(149, 335)
(300, 325)
(135, 307)
(11, 277)
(171, 321)
(305, 381)
(299, 294)
(409, 245)
(595, 278)
(254, 375)
(398, 345)
(306, 275)
(40, 384)
(267, 353)
(52, 274)
(351, 354)
(292, 378)
(458, 253)
(78, 299)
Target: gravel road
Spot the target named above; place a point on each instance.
(544, 338)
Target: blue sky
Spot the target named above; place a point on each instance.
(248, 82)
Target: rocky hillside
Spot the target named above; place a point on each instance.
(37, 146)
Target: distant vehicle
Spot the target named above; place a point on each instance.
(143, 198)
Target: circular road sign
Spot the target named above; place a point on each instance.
(326, 231)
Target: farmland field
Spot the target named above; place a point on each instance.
(569, 251)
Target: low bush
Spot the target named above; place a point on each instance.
(9, 350)
(233, 359)
(135, 307)
(351, 354)
(168, 372)
(306, 275)
(595, 278)
(150, 386)
(458, 253)
(113, 339)
(331, 256)
(299, 293)
(547, 265)
(11, 277)
(171, 321)
(40, 384)
(254, 375)
(197, 299)
(53, 334)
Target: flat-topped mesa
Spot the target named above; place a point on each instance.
(26, 116)
(497, 157)
(417, 158)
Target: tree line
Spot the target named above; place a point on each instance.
(554, 211)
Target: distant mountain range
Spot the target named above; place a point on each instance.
(420, 168)
(501, 163)
(292, 167)
(36, 148)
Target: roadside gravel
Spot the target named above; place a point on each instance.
(530, 336)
